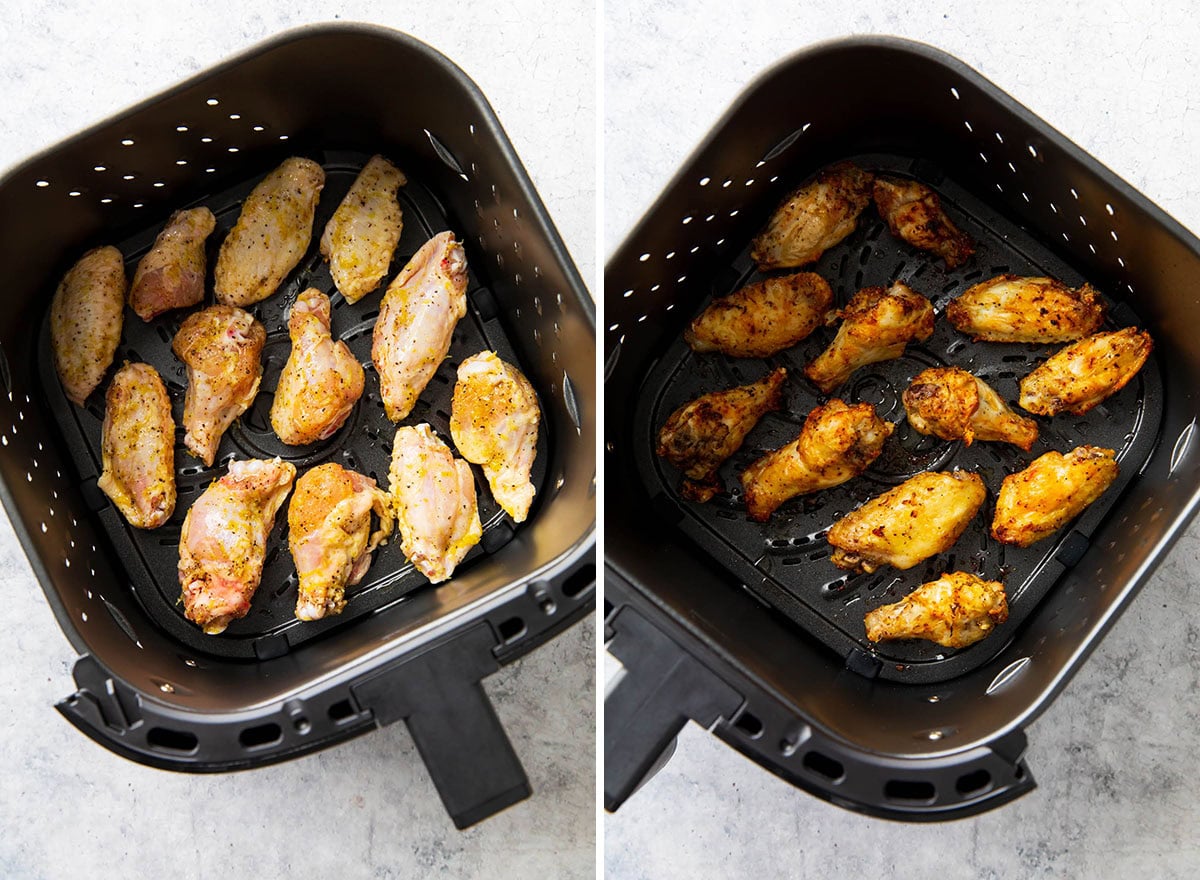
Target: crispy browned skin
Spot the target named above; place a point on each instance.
(921, 517)
(837, 443)
(171, 274)
(700, 435)
(814, 218)
(914, 213)
(762, 318)
(876, 326)
(1035, 503)
(952, 404)
(1011, 308)
(1082, 375)
(956, 610)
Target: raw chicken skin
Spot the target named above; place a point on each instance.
(221, 347)
(271, 235)
(913, 213)
(494, 420)
(329, 531)
(953, 404)
(1035, 503)
(956, 610)
(420, 310)
(86, 315)
(224, 541)
(762, 318)
(433, 495)
(138, 447)
(363, 232)
(1084, 374)
(1010, 308)
(321, 380)
(171, 274)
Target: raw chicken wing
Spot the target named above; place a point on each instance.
(956, 610)
(138, 447)
(321, 380)
(363, 232)
(1082, 375)
(762, 318)
(952, 404)
(224, 541)
(221, 347)
(914, 213)
(1035, 503)
(85, 321)
(1010, 308)
(171, 275)
(700, 435)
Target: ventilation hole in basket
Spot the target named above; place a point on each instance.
(968, 125)
(42, 183)
(627, 294)
(181, 161)
(233, 149)
(1025, 195)
(644, 257)
(823, 765)
(710, 218)
(1032, 150)
(283, 137)
(127, 142)
(235, 116)
(705, 181)
(1121, 262)
(687, 220)
(158, 184)
(1082, 220)
(1054, 207)
(74, 193)
(983, 157)
(1012, 167)
(954, 92)
(973, 783)
(167, 740)
(999, 188)
(1066, 237)
(1092, 248)
(1109, 208)
(749, 725)
(127, 176)
(212, 102)
(99, 168)
(655, 287)
(206, 140)
(342, 710)
(909, 790)
(260, 735)
(1113, 233)
(139, 205)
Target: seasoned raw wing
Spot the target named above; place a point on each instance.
(221, 347)
(224, 541)
(364, 230)
(138, 447)
(433, 495)
(1082, 375)
(321, 380)
(271, 235)
(913, 212)
(330, 536)
(837, 443)
(420, 310)
(956, 610)
(171, 274)
(494, 418)
(876, 326)
(700, 435)
(952, 404)
(1012, 308)
(921, 517)
(813, 219)
(762, 318)
(1038, 501)
(85, 321)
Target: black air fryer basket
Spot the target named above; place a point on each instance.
(152, 687)
(748, 629)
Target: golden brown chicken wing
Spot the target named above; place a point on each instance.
(813, 219)
(700, 435)
(914, 213)
(952, 404)
(837, 443)
(876, 326)
(1035, 503)
(171, 274)
(904, 526)
(1080, 376)
(762, 318)
(363, 232)
(86, 315)
(956, 610)
(138, 447)
(1011, 308)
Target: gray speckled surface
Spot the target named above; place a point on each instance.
(69, 808)
(1115, 755)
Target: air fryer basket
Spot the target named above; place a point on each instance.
(748, 629)
(150, 686)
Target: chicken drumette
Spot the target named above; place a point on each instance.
(952, 404)
(1036, 502)
(86, 315)
(762, 318)
(956, 610)
(1011, 308)
(171, 275)
(914, 213)
(364, 230)
(1082, 375)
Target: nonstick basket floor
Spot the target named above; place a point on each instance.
(785, 562)
(363, 444)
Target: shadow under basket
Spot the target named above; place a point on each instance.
(151, 686)
(748, 629)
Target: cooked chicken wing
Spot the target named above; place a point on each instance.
(876, 326)
(837, 443)
(363, 232)
(329, 532)
(920, 518)
(1035, 503)
(956, 610)
(420, 309)
(1010, 308)
(138, 447)
(271, 235)
(221, 347)
(952, 404)
(762, 318)
(1080, 376)
(321, 380)
(494, 419)
(224, 541)
(813, 219)
(171, 274)
(914, 213)
(433, 495)
(700, 435)
(85, 321)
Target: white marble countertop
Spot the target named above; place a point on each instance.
(68, 808)
(1115, 754)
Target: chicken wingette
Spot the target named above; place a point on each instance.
(1082, 375)
(86, 315)
(171, 274)
(1011, 308)
(1035, 503)
(950, 403)
(363, 232)
(762, 318)
(914, 214)
(956, 610)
